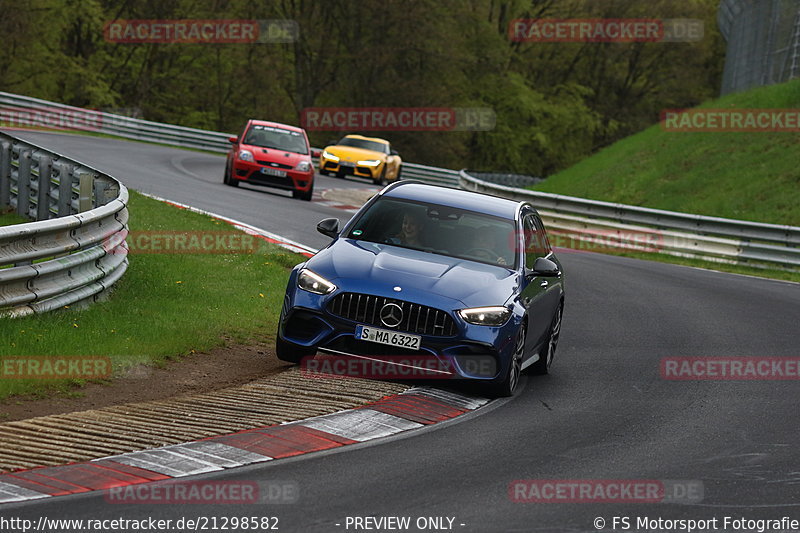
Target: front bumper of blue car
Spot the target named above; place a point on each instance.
(450, 347)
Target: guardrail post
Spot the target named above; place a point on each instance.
(65, 189)
(5, 175)
(43, 197)
(24, 183)
(85, 188)
(101, 193)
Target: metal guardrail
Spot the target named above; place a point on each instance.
(433, 175)
(506, 178)
(636, 228)
(75, 250)
(24, 110)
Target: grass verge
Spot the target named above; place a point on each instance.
(166, 305)
(741, 175)
(8, 218)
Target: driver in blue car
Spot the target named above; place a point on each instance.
(483, 247)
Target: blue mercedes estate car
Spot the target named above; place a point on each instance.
(424, 274)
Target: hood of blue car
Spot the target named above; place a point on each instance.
(357, 266)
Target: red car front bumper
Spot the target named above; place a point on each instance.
(281, 178)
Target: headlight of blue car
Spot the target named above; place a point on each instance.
(486, 316)
(311, 282)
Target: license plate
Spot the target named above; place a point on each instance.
(347, 164)
(384, 336)
(273, 172)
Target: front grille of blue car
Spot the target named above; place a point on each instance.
(419, 319)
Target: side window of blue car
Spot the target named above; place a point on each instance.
(536, 243)
(545, 240)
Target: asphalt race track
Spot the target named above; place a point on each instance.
(604, 413)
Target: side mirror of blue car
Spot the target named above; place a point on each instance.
(545, 267)
(329, 227)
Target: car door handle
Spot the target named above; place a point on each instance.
(544, 283)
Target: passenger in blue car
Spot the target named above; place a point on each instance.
(411, 232)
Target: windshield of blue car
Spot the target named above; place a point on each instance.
(365, 144)
(276, 138)
(438, 229)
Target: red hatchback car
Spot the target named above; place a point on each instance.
(274, 155)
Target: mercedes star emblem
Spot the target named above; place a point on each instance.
(391, 315)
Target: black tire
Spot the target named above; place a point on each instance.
(380, 180)
(510, 382)
(324, 173)
(303, 195)
(227, 180)
(542, 366)
(291, 353)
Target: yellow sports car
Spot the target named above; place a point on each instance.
(366, 157)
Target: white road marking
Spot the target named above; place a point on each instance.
(360, 424)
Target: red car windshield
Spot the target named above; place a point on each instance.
(276, 138)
